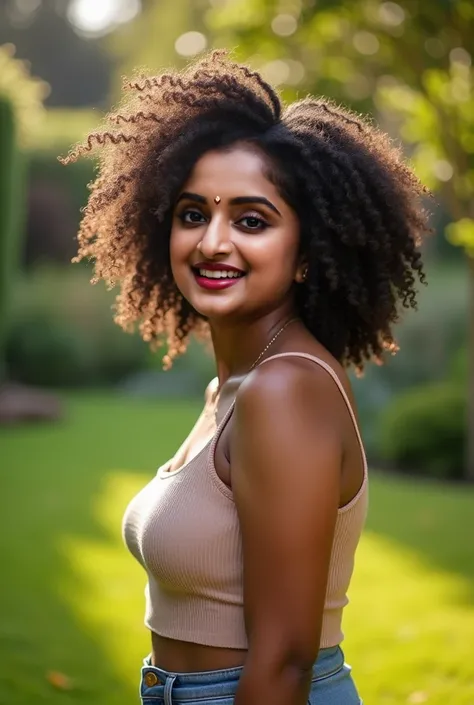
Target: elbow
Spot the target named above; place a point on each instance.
(301, 661)
(290, 657)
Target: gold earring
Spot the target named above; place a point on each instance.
(217, 199)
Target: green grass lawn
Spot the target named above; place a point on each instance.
(71, 598)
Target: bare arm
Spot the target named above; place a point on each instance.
(286, 453)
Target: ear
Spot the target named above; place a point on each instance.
(301, 272)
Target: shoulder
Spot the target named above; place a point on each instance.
(287, 431)
(292, 387)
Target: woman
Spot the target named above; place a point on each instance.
(290, 237)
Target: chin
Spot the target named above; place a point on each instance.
(213, 304)
(215, 311)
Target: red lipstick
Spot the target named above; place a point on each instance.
(216, 283)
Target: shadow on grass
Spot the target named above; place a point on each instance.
(51, 479)
(429, 518)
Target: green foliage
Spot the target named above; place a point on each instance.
(424, 431)
(12, 208)
(20, 105)
(24, 93)
(62, 334)
(7, 150)
(57, 194)
(135, 46)
(72, 182)
(459, 367)
(429, 337)
(410, 63)
(61, 127)
(429, 340)
(462, 234)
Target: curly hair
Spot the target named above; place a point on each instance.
(359, 205)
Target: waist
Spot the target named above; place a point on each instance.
(183, 656)
(222, 682)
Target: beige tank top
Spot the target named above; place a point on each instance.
(184, 530)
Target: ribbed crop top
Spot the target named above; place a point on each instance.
(183, 528)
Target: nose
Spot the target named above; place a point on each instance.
(217, 239)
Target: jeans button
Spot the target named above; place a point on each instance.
(151, 679)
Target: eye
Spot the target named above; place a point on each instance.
(253, 222)
(191, 217)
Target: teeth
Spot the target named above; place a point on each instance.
(219, 274)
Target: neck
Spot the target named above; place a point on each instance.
(237, 345)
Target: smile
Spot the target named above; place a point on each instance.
(216, 279)
(219, 274)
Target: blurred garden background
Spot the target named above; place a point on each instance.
(86, 412)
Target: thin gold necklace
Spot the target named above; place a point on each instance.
(254, 364)
(292, 320)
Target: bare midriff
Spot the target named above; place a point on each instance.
(186, 657)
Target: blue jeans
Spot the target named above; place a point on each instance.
(332, 684)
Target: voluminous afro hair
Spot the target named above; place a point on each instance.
(359, 205)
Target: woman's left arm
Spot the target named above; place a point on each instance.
(286, 453)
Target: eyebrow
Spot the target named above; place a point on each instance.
(239, 200)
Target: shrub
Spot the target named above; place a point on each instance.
(423, 431)
(56, 196)
(428, 338)
(62, 334)
(21, 107)
(438, 329)
(11, 207)
(459, 368)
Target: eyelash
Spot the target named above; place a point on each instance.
(262, 223)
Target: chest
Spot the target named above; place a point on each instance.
(221, 453)
(184, 527)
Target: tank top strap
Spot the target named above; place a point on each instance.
(339, 385)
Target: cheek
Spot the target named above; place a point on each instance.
(179, 254)
(279, 258)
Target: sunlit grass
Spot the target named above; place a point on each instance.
(71, 598)
(63, 562)
(410, 631)
(111, 599)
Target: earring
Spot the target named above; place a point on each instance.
(304, 274)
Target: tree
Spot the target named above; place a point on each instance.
(21, 98)
(21, 105)
(149, 41)
(408, 62)
(76, 68)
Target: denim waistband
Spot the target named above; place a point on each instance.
(157, 682)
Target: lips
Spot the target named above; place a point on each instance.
(214, 276)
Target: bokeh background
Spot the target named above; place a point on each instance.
(87, 413)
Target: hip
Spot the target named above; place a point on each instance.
(331, 684)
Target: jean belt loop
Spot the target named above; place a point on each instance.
(168, 688)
